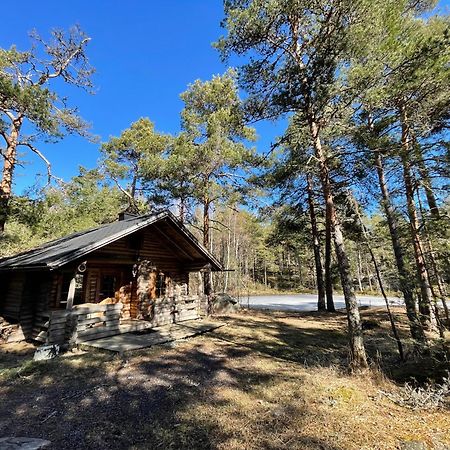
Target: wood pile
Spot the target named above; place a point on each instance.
(40, 326)
(10, 332)
(146, 290)
(123, 295)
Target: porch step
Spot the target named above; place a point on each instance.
(130, 325)
(123, 343)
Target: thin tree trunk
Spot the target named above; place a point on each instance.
(369, 277)
(328, 251)
(316, 246)
(434, 270)
(388, 308)
(228, 252)
(206, 243)
(133, 191)
(426, 180)
(380, 281)
(265, 272)
(425, 305)
(440, 282)
(359, 270)
(404, 279)
(355, 332)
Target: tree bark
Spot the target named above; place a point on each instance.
(328, 250)
(355, 333)
(369, 277)
(206, 242)
(316, 246)
(228, 253)
(380, 280)
(405, 285)
(425, 304)
(359, 270)
(434, 272)
(9, 164)
(404, 279)
(426, 181)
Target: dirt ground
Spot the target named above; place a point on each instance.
(266, 380)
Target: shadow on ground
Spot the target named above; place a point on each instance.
(319, 339)
(231, 389)
(163, 399)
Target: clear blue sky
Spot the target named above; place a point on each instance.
(145, 54)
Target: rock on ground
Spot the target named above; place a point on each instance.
(224, 304)
(22, 443)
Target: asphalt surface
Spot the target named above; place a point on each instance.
(308, 302)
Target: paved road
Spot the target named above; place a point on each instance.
(308, 302)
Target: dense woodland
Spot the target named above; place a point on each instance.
(352, 197)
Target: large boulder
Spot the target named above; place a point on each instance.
(223, 304)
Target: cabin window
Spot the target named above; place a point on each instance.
(161, 285)
(135, 241)
(108, 283)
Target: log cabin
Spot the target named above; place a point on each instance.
(129, 275)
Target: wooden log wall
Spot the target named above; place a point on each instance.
(35, 301)
(26, 301)
(91, 321)
(57, 331)
(83, 323)
(148, 245)
(12, 299)
(170, 310)
(187, 308)
(152, 247)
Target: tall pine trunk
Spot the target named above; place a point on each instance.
(435, 214)
(328, 250)
(316, 246)
(355, 332)
(435, 273)
(404, 279)
(426, 297)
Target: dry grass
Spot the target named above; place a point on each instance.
(273, 381)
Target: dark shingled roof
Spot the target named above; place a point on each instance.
(59, 252)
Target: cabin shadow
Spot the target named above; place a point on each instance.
(162, 399)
